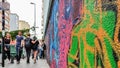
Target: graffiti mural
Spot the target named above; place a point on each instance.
(65, 28)
(84, 34)
(52, 37)
(95, 36)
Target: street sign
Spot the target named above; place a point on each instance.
(33, 28)
(4, 6)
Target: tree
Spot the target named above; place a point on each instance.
(14, 33)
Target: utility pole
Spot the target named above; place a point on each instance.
(34, 17)
(3, 34)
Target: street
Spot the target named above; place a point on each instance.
(41, 63)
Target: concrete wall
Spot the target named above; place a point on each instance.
(84, 34)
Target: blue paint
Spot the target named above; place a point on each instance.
(54, 42)
(67, 10)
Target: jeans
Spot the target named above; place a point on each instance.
(7, 52)
(40, 53)
(28, 53)
(19, 53)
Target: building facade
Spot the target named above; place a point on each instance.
(14, 20)
(23, 25)
(42, 21)
(7, 17)
(45, 11)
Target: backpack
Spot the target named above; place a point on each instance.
(27, 43)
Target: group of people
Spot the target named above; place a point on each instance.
(32, 46)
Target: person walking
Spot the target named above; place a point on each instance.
(12, 51)
(19, 46)
(7, 46)
(35, 44)
(40, 49)
(28, 43)
(43, 46)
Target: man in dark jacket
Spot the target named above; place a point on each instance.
(28, 46)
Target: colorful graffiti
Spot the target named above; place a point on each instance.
(84, 34)
(65, 28)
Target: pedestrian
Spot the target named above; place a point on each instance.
(7, 46)
(12, 50)
(12, 42)
(28, 46)
(43, 46)
(40, 49)
(19, 46)
(35, 44)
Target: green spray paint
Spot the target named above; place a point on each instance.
(108, 25)
(109, 50)
(73, 49)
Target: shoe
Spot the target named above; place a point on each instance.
(34, 61)
(12, 62)
(18, 62)
(40, 57)
(28, 62)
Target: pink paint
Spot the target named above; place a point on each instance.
(53, 63)
(64, 35)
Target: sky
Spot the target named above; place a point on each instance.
(25, 11)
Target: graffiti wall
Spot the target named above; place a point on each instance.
(84, 34)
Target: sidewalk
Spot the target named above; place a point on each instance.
(41, 63)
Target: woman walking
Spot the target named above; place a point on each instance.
(35, 44)
(7, 45)
(19, 46)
